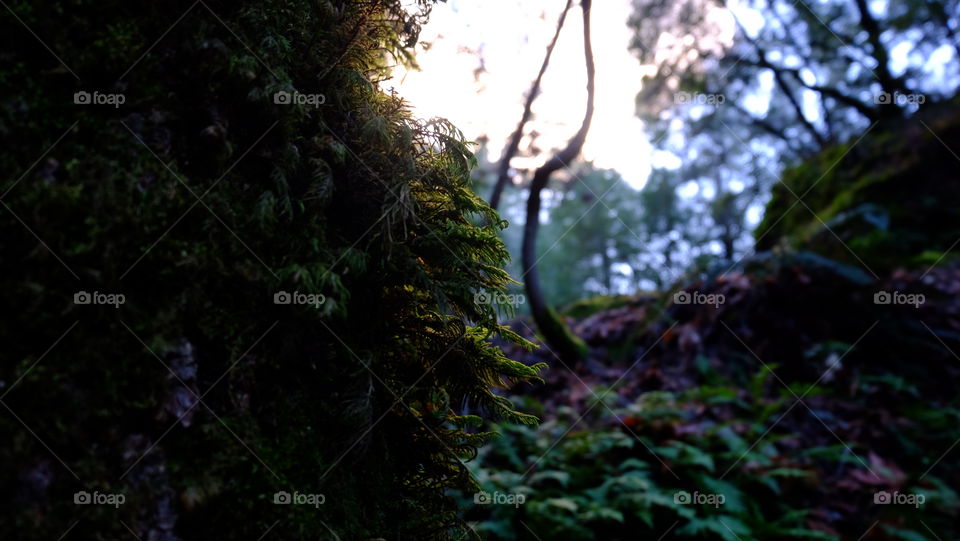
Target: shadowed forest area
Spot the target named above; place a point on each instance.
(447, 270)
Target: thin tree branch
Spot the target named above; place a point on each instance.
(503, 171)
(889, 83)
(781, 82)
(554, 332)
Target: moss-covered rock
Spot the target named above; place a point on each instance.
(880, 201)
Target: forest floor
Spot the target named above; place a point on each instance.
(819, 402)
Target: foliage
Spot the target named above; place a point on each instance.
(592, 236)
(199, 199)
(613, 477)
(738, 91)
(604, 237)
(619, 464)
(797, 397)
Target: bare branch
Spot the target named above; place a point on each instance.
(503, 171)
(554, 332)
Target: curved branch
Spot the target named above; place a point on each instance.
(503, 176)
(554, 332)
(862, 107)
(781, 83)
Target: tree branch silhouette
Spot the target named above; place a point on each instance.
(503, 170)
(560, 340)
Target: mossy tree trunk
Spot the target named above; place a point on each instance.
(564, 343)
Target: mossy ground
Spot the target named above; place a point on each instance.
(879, 201)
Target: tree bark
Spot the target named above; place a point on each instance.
(560, 340)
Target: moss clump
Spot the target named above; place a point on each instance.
(584, 308)
(253, 161)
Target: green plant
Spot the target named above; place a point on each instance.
(201, 198)
(626, 471)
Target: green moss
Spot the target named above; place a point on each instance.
(360, 398)
(567, 345)
(877, 201)
(587, 307)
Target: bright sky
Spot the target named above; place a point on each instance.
(512, 36)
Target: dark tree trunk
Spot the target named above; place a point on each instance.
(563, 343)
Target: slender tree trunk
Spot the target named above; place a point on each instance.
(607, 271)
(728, 247)
(563, 343)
